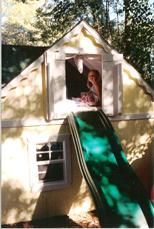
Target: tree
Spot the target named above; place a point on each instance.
(17, 21)
(54, 20)
(138, 35)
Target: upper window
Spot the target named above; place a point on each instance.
(70, 88)
(83, 79)
(50, 163)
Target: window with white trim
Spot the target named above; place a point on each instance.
(50, 163)
(77, 69)
(61, 87)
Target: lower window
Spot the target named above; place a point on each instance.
(50, 163)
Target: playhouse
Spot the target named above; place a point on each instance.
(40, 173)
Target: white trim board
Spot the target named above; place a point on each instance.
(129, 117)
(34, 182)
(30, 122)
(41, 122)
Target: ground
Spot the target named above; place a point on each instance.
(86, 220)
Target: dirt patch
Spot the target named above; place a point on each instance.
(85, 220)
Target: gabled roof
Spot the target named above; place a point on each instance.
(19, 60)
(77, 30)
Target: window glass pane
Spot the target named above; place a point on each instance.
(56, 146)
(42, 147)
(54, 173)
(42, 156)
(56, 155)
(42, 168)
(78, 82)
(42, 176)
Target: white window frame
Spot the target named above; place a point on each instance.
(84, 107)
(59, 108)
(35, 183)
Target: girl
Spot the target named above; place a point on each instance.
(94, 83)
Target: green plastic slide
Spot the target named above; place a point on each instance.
(119, 196)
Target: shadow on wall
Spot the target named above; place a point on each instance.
(137, 142)
(144, 170)
(15, 204)
(63, 201)
(135, 98)
(19, 204)
(21, 207)
(25, 99)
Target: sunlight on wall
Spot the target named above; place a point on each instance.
(15, 145)
(83, 41)
(22, 98)
(135, 100)
(126, 79)
(86, 202)
(122, 124)
(14, 160)
(137, 139)
(12, 214)
(139, 149)
(19, 202)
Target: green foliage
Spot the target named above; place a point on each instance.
(138, 36)
(17, 58)
(132, 36)
(17, 19)
(13, 33)
(52, 22)
(55, 20)
(136, 39)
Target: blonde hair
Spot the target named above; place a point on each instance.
(97, 75)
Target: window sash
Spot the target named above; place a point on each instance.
(58, 106)
(49, 184)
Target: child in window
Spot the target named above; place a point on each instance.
(94, 83)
